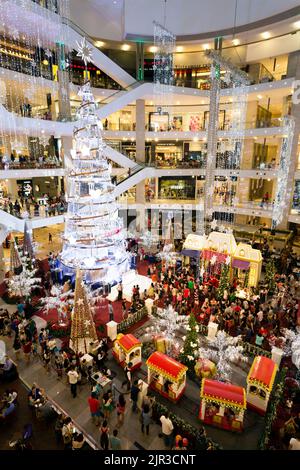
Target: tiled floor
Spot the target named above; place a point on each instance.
(187, 409)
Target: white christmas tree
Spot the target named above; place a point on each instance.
(167, 323)
(22, 284)
(94, 236)
(223, 351)
(291, 345)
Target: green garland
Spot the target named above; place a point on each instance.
(196, 439)
(271, 414)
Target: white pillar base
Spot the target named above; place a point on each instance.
(111, 328)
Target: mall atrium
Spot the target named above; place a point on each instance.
(149, 225)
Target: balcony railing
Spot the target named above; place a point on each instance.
(30, 165)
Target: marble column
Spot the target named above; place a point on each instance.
(293, 70)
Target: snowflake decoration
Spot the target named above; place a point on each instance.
(84, 51)
(214, 224)
(211, 190)
(79, 302)
(213, 260)
(48, 53)
(15, 34)
(87, 322)
(227, 260)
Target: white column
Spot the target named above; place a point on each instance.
(212, 330)
(277, 355)
(111, 328)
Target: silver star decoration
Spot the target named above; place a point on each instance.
(213, 259)
(222, 228)
(15, 33)
(214, 224)
(84, 51)
(211, 191)
(48, 53)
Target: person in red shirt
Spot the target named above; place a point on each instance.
(95, 409)
(186, 292)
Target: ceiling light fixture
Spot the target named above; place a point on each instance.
(179, 48)
(125, 47)
(235, 41)
(205, 47)
(266, 35)
(99, 43)
(153, 49)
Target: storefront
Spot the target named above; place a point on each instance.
(168, 154)
(174, 187)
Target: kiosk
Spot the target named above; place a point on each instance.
(222, 405)
(127, 348)
(166, 375)
(260, 382)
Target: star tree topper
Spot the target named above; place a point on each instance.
(84, 51)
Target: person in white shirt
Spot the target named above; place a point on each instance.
(73, 377)
(295, 442)
(167, 429)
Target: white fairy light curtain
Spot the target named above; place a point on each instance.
(229, 150)
(28, 35)
(164, 47)
(283, 189)
(229, 154)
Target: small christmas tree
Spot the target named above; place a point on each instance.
(83, 330)
(191, 344)
(224, 281)
(270, 275)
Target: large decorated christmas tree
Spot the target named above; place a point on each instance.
(83, 331)
(93, 239)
